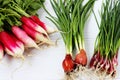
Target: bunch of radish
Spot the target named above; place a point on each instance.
(71, 16)
(105, 58)
(20, 30)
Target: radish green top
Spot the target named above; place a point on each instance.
(12, 10)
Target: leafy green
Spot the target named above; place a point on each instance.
(30, 6)
(12, 10)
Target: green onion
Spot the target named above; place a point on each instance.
(70, 18)
(108, 40)
(63, 21)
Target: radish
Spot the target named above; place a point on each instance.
(10, 45)
(31, 24)
(42, 24)
(36, 35)
(18, 42)
(22, 35)
(1, 51)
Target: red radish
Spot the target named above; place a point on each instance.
(42, 24)
(1, 51)
(36, 35)
(17, 52)
(18, 42)
(10, 46)
(81, 58)
(68, 63)
(31, 24)
(22, 35)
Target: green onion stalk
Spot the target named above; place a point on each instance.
(79, 16)
(108, 40)
(62, 20)
(70, 18)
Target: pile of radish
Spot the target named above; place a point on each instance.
(21, 28)
(70, 18)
